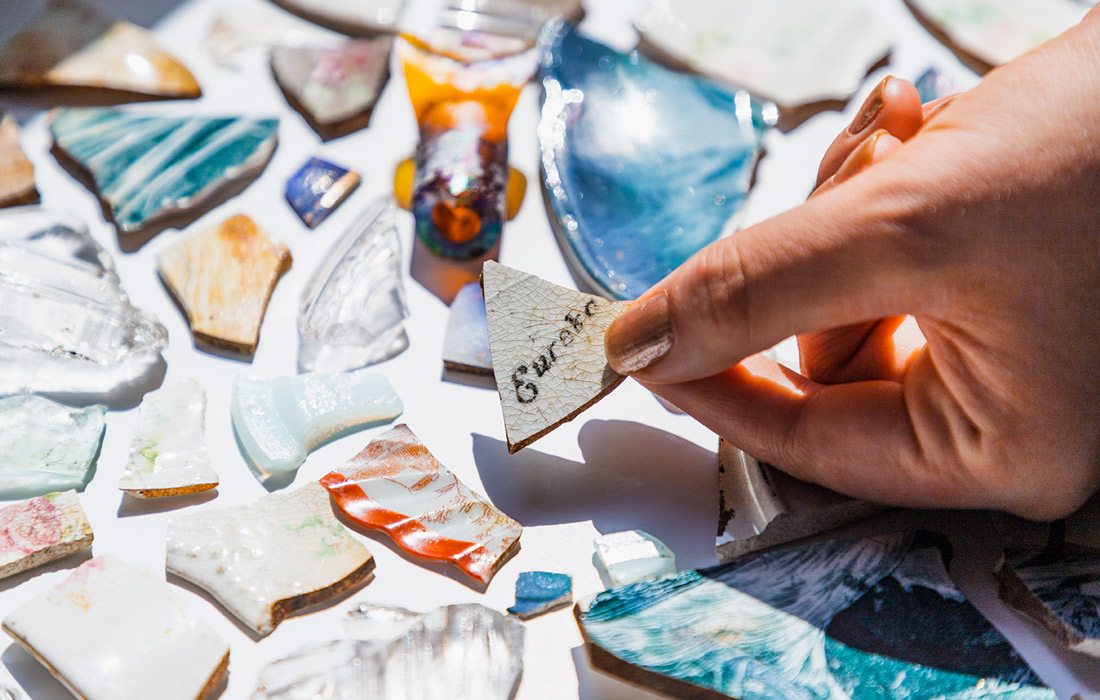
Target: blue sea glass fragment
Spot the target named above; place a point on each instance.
(934, 84)
(541, 591)
(642, 165)
(318, 188)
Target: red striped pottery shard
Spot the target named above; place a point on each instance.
(396, 485)
(547, 350)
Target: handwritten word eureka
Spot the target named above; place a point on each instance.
(526, 389)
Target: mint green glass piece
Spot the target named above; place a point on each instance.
(46, 446)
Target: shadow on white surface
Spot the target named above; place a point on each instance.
(32, 676)
(593, 684)
(132, 505)
(441, 276)
(65, 564)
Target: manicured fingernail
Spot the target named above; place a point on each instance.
(860, 159)
(641, 336)
(870, 109)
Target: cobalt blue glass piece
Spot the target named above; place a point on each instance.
(541, 591)
(642, 165)
(934, 84)
(318, 188)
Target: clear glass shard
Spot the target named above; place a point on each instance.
(46, 446)
(632, 555)
(353, 309)
(367, 621)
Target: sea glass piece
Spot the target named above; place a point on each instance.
(461, 176)
(16, 170)
(279, 421)
(147, 167)
(318, 188)
(68, 326)
(334, 87)
(464, 652)
(632, 555)
(547, 350)
(538, 592)
(360, 17)
(113, 631)
(404, 177)
(796, 53)
(934, 84)
(223, 278)
(70, 44)
(518, 20)
(761, 506)
(367, 621)
(352, 311)
(40, 530)
(466, 340)
(168, 454)
(394, 484)
(46, 446)
(267, 560)
(642, 166)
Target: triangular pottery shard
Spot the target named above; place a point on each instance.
(16, 170)
(547, 348)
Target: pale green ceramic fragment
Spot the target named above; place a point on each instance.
(279, 421)
(46, 446)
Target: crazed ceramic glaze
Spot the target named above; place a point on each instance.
(466, 339)
(148, 166)
(642, 166)
(318, 188)
(46, 446)
(538, 592)
(168, 454)
(223, 278)
(40, 530)
(632, 555)
(351, 16)
(113, 631)
(16, 170)
(267, 560)
(394, 484)
(278, 421)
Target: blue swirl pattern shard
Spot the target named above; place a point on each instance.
(642, 166)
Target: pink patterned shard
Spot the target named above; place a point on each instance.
(40, 530)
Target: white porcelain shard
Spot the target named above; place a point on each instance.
(547, 350)
(270, 559)
(466, 340)
(16, 170)
(168, 454)
(361, 17)
(46, 446)
(40, 530)
(239, 27)
(113, 631)
(279, 421)
(352, 311)
(632, 555)
(68, 328)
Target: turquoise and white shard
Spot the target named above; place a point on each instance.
(148, 166)
(773, 627)
(643, 166)
(538, 592)
(279, 421)
(46, 446)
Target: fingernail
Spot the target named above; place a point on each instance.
(940, 106)
(641, 336)
(860, 159)
(871, 107)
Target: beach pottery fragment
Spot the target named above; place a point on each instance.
(279, 421)
(352, 311)
(761, 506)
(168, 454)
(538, 592)
(46, 446)
(270, 559)
(147, 167)
(797, 53)
(113, 631)
(241, 26)
(395, 484)
(40, 530)
(223, 278)
(317, 188)
(642, 166)
(70, 44)
(466, 340)
(16, 170)
(464, 652)
(632, 555)
(934, 84)
(68, 326)
(547, 351)
(459, 197)
(987, 33)
(358, 17)
(334, 87)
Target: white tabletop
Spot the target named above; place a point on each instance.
(626, 463)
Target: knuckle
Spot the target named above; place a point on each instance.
(721, 289)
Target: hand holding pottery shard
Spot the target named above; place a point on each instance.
(547, 348)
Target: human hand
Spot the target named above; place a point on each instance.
(977, 219)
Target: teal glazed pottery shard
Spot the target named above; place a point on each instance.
(279, 421)
(790, 624)
(68, 328)
(352, 311)
(642, 166)
(46, 446)
(466, 340)
(317, 188)
(147, 166)
(632, 555)
(463, 652)
(538, 592)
